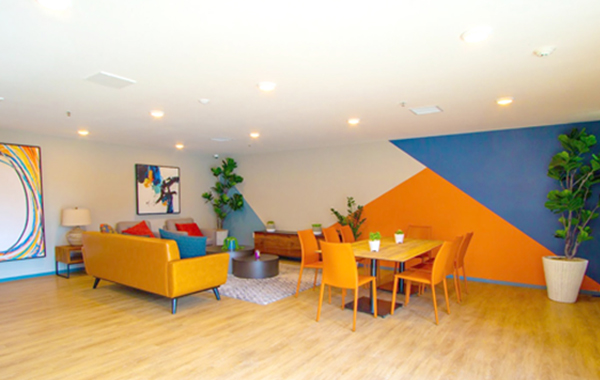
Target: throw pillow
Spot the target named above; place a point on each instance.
(140, 229)
(192, 229)
(107, 229)
(189, 246)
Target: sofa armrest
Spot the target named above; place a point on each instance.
(211, 235)
(198, 273)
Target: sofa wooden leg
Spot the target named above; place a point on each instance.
(96, 281)
(217, 295)
(173, 305)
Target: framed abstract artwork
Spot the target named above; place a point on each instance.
(21, 203)
(157, 189)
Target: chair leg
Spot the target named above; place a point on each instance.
(437, 321)
(394, 290)
(465, 280)
(343, 297)
(96, 281)
(375, 299)
(407, 285)
(446, 295)
(355, 308)
(299, 280)
(173, 305)
(457, 285)
(320, 300)
(217, 295)
(329, 294)
(316, 274)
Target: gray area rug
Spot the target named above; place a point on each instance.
(265, 291)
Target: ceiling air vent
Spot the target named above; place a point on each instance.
(426, 110)
(110, 80)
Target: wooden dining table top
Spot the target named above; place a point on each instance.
(391, 251)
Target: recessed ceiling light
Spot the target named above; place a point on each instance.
(83, 132)
(354, 121)
(504, 101)
(255, 135)
(221, 139)
(204, 101)
(179, 146)
(56, 5)
(157, 114)
(425, 110)
(544, 51)
(266, 86)
(1, 99)
(477, 34)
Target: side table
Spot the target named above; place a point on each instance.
(67, 254)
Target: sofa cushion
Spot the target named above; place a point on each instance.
(107, 229)
(189, 246)
(140, 229)
(170, 223)
(192, 229)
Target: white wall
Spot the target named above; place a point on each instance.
(101, 177)
(298, 188)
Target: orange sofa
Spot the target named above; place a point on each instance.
(152, 265)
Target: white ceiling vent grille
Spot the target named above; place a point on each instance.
(110, 80)
(426, 110)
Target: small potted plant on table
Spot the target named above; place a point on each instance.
(399, 236)
(317, 229)
(270, 226)
(374, 241)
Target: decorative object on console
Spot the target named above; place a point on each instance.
(192, 229)
(317, 229)
(374, 241)
(221, 201)
(22, 218)
(189, 246)
(75, 217)
(140, 229)
(353, 219)
(399, 236)
(256, 254)
(271, 226)
(157, 189)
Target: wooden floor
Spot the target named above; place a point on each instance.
(55, 328)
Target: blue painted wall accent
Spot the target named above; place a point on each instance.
(506, 172)
(241, 224)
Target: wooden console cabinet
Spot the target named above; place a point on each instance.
(281, 243)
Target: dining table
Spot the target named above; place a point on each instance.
(389, 250)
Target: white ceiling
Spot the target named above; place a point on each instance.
(331, 60)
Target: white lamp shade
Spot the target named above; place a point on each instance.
(76, 217)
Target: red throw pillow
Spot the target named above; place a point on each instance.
(192, 229)
(140, 229)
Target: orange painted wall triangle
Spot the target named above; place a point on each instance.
(498, 252)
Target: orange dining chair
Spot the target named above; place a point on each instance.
(460, 260)
(347, 234)
(310, 256)
(443, 264)
(339, 270)
(331, 234)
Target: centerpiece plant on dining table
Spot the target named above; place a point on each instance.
(374, 241)
(354, 218)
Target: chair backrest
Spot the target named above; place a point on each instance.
(419, 232)
(460, 260)
(331, 234)
(339, 265)
(347, 235)
(308, 246)
(444, 261)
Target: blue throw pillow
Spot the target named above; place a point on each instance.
(189, 246)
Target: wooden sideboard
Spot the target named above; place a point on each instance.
(281, 243)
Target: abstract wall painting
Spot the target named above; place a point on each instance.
(21, 203)
(157, 189)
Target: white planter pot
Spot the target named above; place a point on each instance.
(220, 237)
(374, 245)
(399, 238)
(564, 277)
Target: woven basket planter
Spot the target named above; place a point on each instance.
(564, 277)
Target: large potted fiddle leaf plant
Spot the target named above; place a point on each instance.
(222, 202)
(577, 171)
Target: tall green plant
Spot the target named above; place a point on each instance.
(577, 170)
(222, 203)
(353, 219)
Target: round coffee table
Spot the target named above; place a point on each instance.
(249, 267)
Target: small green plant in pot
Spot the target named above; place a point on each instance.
(399, 236)
(577, 170)
(270, 226)
(317, 229)
(374, 241)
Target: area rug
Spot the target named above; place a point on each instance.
(265, 291)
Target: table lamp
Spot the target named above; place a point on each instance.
(75, 217)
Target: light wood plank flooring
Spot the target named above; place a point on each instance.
(54, 328)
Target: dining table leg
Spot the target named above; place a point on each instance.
(401, 285)
(374, 274)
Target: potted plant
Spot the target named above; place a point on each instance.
(577, 170)
(270, 226)
(317, 229)
(354, 218)
(399, 236)
(374, 241)
(219, 197)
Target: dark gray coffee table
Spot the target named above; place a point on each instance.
(249, 267)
